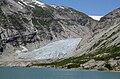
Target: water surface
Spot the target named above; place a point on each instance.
(50, 73)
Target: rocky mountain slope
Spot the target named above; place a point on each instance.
(101, 52)
(106, 33)
(31, 24)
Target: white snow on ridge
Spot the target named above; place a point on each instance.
(39, 3)
(57, 7)
(26, 2)
(96, 17)
(54, 6)
(58, 49)
(62, 7)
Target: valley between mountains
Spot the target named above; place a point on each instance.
(35, 34)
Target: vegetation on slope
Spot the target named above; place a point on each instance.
(75, 62)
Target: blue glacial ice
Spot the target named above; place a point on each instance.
(58, 49)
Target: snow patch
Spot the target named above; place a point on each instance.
(54, 6)
(24, 49)
(17, 51)
(32, 6)
(33, 1)
(57, 7)
(58, 49)
(62, 7)
(96, 17)
(39, 3)
(21, 4)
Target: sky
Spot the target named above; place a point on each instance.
(89, 7)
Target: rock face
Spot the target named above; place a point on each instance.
(106, 33)
(89, 64)
(102, 65)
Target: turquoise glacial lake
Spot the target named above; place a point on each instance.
(50, 73)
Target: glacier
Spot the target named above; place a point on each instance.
(58, 49)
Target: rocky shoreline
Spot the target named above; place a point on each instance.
(112, 65)
(64, 68)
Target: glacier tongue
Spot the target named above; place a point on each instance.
(58, 49)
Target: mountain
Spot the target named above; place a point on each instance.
(31, 24)
(101, 52)
(32, 32)
(108, 20)
(106, 31)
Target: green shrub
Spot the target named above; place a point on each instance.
(73, 66)
(108, 66)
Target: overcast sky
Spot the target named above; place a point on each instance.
(90, 7)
